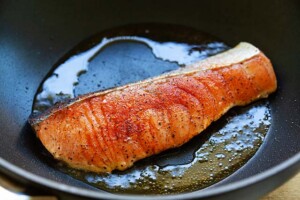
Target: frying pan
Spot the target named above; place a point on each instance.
(35, 34)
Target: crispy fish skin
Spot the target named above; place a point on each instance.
(112, 129)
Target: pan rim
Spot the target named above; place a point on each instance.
(51, 184)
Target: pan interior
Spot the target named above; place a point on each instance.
(35, 34)
(110, 59)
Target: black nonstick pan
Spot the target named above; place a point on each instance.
(34, 35)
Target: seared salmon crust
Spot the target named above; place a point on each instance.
(112, 129)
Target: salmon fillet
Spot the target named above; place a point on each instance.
(112, 129)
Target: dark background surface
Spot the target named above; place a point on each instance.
(35, 34)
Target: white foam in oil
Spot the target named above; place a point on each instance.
(60, 85)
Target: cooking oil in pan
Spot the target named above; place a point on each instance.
(133, 53)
